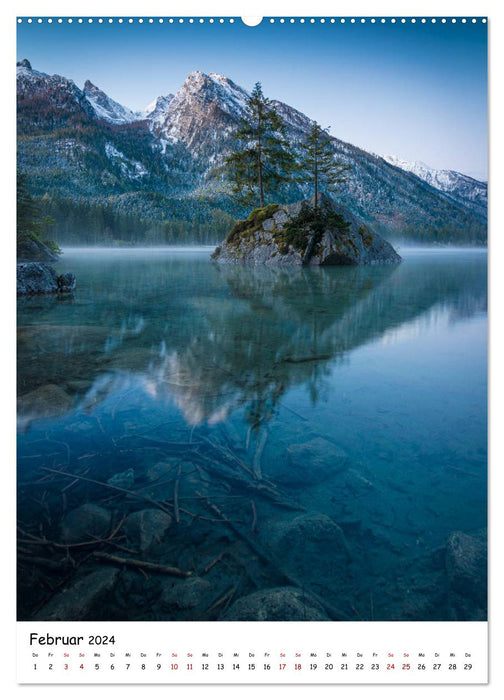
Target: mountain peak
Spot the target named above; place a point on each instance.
(157, 107)
(24, 63)
(89, 87)
(214, 88)
(105, 107)
(197, 79)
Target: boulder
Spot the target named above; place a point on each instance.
(282, 604)
(263, 239)
(36, 278)
(87, 522)
(123, 480)
(82, 599)
(145, 528)
(66, 282)
(40, 278)
(47, 400)
(466, 565)
(310, 547)
(185, 595)
(312, 462)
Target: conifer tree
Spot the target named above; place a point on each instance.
(318, 162)
(263, 159)
(30, 223)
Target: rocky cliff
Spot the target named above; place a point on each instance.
(299, 234)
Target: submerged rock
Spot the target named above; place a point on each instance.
(123, 480)
(311, 547)
(82, 599)
(47, 400)
(40, 278)
(145, 528)
(289, 604)
(466, 565)
(185, 595)
(87, 522)
(344, 240)
(312, 462)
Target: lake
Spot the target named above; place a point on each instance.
(312, 436)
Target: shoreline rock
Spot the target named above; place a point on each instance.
(261, 239)
(41, 278)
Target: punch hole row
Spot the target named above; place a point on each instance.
(231, 20)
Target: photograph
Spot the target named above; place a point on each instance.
(251, 319)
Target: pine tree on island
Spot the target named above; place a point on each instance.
(318, 163)
(263, 159)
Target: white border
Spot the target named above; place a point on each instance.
(271, 8)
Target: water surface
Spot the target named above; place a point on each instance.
(336, 418)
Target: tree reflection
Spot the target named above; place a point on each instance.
(214, 338)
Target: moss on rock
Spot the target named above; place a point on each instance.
(366, 235)
(243, 229)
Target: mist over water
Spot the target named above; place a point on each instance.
(347, 404)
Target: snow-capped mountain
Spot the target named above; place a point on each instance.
(63, 94)
(157, 109)
(164, 163)
(106, 108)
(49, 93)
(204, 110)
(461, 187)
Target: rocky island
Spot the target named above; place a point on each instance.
(302, 234)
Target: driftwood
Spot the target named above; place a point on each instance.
(226, 597)
(254, 517)
(63, 545)
(226, 453)
(140, 564)
(261, 488)
(55, 566)
(142, 497)
(312, 358)
(164, 444)
(261, 442)
(175, 495)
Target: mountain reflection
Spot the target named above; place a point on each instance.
(214, 338)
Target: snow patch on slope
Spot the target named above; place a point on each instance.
(458, 185)
(106, 108)
(132, 169)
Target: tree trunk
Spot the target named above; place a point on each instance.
(259, 173)
(259, 166)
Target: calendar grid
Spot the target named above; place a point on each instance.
(233, 652)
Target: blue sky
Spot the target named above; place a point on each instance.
(418, 91)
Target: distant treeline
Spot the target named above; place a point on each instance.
(474, 233)
(82, 222)
(152, 219)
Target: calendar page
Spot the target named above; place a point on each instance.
(251, 349)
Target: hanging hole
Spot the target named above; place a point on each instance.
(251, 21)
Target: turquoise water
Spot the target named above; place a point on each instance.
(336, 418)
